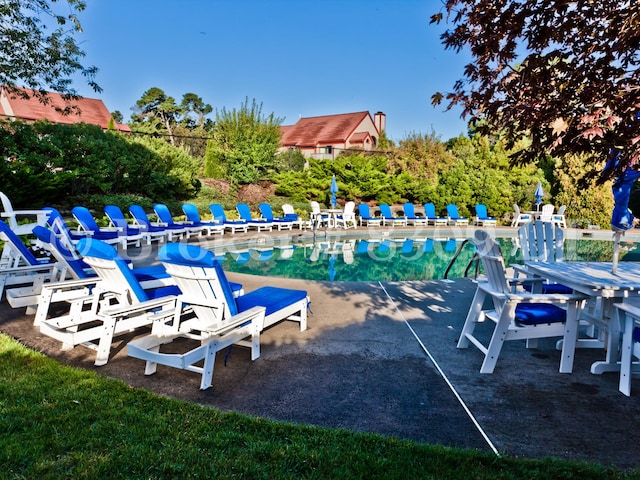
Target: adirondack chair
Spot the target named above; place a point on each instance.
(218, 319)
(291, 215)
(520, 218)
(348, 217)
(94, 320)
(11, 217)
(517, 314)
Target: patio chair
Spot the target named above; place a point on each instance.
(217, 319)
(111, 235)
(520, 218)
(366, 219)
(141, 220)
(410, 215)
(546, 214)
(220, 217)
(260, 224)
(559, 217)
(389, 218)
(347, 219)
(94, 320)
(517, 314)
(482, 218)
(453, 218)
(166, 220)
(432, 217)
(194, 219)
(318, 219)
(281, 222)
(59, 227)
(291, 215)
(12, 216)
(118, 220)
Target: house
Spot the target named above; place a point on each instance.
(326, 136)
(90, 110)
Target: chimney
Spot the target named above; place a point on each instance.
(380, 121)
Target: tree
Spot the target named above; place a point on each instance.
(564, 73)
(193, 104)
(244, 143)
(38, 49)
(158, 110)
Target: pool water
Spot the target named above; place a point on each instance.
(390, 259)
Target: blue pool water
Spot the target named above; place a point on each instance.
(389, 259)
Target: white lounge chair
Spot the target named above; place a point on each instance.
(95, 319)
(517, 315)
(216, 319)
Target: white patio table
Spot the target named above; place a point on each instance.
(597, 280)
(333, 214)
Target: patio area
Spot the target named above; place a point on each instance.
(382, 358)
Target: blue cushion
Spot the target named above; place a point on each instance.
(636, 334)
(17, 243)
(551, 288)
(154, 293)
(272, 298)
(537, 313)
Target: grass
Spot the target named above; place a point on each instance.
(63, 422)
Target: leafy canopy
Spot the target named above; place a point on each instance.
(38, 49)
(564, 73)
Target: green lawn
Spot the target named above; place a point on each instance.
(61, 422)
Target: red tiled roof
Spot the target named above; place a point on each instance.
(325, 129)
(91, 110)
(359, 137)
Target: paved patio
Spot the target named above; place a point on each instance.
(382, 357)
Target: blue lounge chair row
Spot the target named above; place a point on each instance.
(410, 217)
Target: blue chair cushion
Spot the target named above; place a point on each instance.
(551, 288)
(154, 293)
(636, 334)
(272, 298)
(538, 313)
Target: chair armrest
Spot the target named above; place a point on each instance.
(253, 314)
(121, 311)
(28, 268)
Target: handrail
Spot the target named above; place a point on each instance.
(475, 259)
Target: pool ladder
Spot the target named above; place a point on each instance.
(475, 261)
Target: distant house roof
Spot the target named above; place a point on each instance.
(327, 129)
(91, 110)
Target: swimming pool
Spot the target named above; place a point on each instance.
(386, 259)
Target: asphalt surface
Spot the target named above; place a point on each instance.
(382, 358)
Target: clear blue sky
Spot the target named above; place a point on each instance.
(296, 57)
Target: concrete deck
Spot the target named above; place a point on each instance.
(382, 357)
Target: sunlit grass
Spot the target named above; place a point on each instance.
(62, 422)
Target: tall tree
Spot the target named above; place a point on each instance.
(38, 49)
(192, 104)
(562, 72)
(157, 107)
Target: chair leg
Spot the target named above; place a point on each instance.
(472, 318)
(570, 337)
(209, 364)
(627, 357)
(498, 338)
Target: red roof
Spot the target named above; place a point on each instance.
(327, 129)
(91, 110)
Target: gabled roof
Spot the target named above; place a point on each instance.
(327, 129)
(91, 110)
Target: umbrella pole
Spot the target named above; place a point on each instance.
(616, 251)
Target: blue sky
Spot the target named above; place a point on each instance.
(296, 57)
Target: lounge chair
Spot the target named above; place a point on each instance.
(111, 235)
(58, 225)
(520, 218)
(21, 267)
(389, 218)
(118, 220)
(218, 318)
(11, 217)
(412, 218)
(193, 217)
(366, 219)
(166, 220)
(517, 315)
(94, 320)
(220, 217)
(347, 219)
(291, 215)
(281, 222)
(453, 218)
(432, 218)
(141, 220)
(260, 224)
(482, 218)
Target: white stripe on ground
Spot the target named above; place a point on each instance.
(435, 364)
